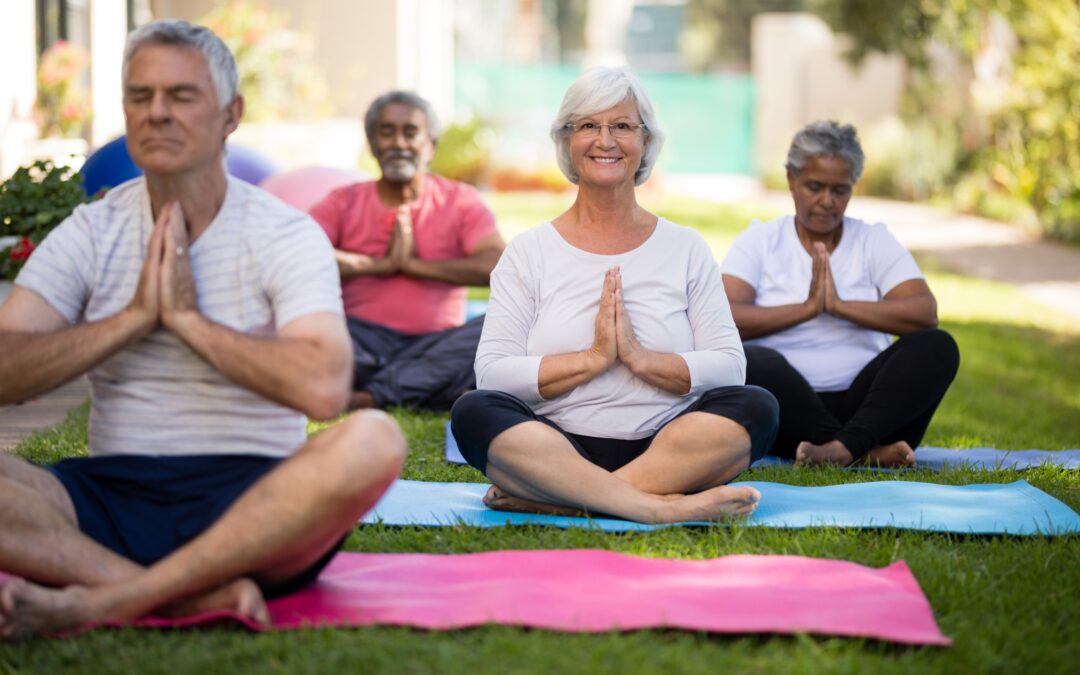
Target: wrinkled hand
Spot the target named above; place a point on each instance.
(628, 349)
(605, 344)
(146, 305)
(402, 244)
(178, 296)
(819, 279)
(831, 299)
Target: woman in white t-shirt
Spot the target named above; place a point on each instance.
(817, 298)
(610, 372)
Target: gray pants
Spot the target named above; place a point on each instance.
(428, 371)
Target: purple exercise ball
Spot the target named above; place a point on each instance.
(111, 165)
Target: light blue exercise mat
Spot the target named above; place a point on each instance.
(1014, 508)
(925, 457)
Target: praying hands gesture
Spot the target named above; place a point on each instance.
(909, 306)
(166, 291)
(614, 342)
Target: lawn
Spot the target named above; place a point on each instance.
(1011, 604)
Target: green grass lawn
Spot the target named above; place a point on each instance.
(1011, 604)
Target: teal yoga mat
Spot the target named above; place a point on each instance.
(925, 457)
(1013, 508)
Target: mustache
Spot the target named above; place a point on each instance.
(391, 155)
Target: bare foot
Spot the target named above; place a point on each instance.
(499, 500)
(894, 455)
(721, 503)
(239, 595)
(361, 399)
(833, 453)
(27, 609)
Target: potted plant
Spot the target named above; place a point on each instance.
(32, 202)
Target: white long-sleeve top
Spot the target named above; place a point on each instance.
(545, 294)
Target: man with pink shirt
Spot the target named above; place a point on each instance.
(407, 245)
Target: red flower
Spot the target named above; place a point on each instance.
(22, 250)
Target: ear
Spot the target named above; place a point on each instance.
(791, 179)
(233, 112)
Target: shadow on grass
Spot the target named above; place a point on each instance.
(1018, 388)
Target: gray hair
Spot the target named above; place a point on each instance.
(179, 33)
(826, 138)
(597, 90)
(411, 99)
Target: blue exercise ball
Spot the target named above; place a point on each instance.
(247, 164)
(108, 166)
(111, 165)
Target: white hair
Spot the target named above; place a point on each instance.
(179, 33)
(596, 90)
(825, 138)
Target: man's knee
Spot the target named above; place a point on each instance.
(369, 442)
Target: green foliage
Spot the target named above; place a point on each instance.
(32, 202)
(1020, 141)
(277, 78)
(464, 151)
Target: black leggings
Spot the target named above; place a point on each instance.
(479, 416)
(892, 399)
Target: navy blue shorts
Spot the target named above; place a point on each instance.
(144, 508)
(479, 416)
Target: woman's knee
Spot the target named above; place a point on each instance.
(937, 344)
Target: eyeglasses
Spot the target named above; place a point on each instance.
(617, 130)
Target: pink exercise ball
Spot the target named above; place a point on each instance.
(305, 187)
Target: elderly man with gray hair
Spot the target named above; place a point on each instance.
(407, 246)
(209, 317)
(817, 297)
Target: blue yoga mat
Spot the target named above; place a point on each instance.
(1014, 508)
(925, 457)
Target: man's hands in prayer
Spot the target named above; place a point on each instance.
(166, 291)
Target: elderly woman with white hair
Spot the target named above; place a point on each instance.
(610, 373)
(818, 296)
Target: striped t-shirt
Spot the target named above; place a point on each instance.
(258, 266)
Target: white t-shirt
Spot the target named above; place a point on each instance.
(259, 265)
(868, 263)
(545, 294)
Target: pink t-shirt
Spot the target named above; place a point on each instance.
(448, 222)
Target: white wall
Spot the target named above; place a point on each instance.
(800, 76)
(18, 53)
(108, 32)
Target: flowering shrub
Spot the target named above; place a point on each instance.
(63, 105)
(277, 77)
(32, 202)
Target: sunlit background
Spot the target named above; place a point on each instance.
(970, 103)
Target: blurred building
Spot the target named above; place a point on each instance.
(505, 63)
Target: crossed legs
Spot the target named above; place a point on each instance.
(282, 525)
(681, 476)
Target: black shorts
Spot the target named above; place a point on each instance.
(479, 416)
(144, 508)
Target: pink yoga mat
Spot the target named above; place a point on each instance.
(595, 591)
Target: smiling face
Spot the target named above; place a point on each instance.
(174, 122)
(401, 142)
(604, 160)
(821, 192)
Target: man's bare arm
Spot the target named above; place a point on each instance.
(472, 270)
(39, 351)
(306, 366)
